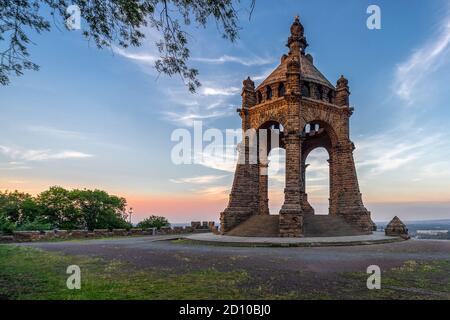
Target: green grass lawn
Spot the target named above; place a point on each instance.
(412, 280)
(29, 273)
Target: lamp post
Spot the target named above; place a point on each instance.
(130, 213)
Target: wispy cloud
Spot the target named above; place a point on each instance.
(187, 117)
(424, 61)
(248, 62)
(199, 179)
(187, 108)
(399, 150)
(141, 57)
(210, 91)
(40, 155)
(215, 191)
(225, 161)
(55, 132)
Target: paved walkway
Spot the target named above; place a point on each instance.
(376, 237)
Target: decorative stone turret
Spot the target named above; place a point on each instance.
(342, 92)
(248, 93)
(397, 228)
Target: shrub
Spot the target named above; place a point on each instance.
(6, 226)
(34, 226)
(153, 222)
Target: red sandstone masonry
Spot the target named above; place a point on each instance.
(309, 98)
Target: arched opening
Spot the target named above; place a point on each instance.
(331, 96)
(269, 92)
(317, 180)
(319, 92)
(305, 90)
(272, 163)
(281, 90)
(276, 179)
(258, 97)
(317, 143)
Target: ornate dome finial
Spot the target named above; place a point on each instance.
(297, 40)
(297, 29)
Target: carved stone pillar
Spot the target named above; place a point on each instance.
(346, 196)
(307, 209)
(263, 187)
(291, 219)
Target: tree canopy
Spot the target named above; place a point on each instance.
(62, 209)
(115, 22)
(153, 222)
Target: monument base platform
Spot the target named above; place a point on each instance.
(374, 238)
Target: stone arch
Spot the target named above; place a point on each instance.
(316, 134)
(317, 158)
(259, 120)
(270, 125)
(275, 179)
(326, 135)
(326, 124)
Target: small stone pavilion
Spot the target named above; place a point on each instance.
(308, 112)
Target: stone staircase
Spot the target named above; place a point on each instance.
(313, 226)
(257, 226)
(327, 226)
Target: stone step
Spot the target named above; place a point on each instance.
(327, 226)
(257, 226)
(313, 226)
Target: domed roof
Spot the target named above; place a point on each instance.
(309, 73)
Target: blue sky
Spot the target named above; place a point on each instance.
(103, 118)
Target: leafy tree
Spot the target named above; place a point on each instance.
(101, 210)
(62, 209)
(153, 222)
(116, 22)
(18, 207)
(58, 208)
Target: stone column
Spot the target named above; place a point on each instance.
(263, 187)
(307, 209)
(291, 219)
(346, 196)
(333, 188)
